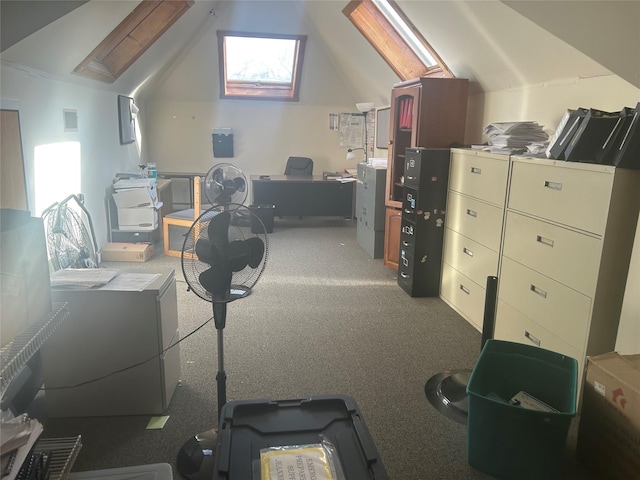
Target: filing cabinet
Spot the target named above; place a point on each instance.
(567, 244)
(473, 229)
(370, 210)
(423, 213)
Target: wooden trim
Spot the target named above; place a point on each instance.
(374, 26)
(131, 38)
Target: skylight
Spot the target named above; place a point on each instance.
(395, 38)
(260, 66)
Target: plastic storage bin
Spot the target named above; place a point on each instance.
(246, 427)
(265, 213)
(508, 440)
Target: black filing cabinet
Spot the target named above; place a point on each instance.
(370, 209)
(426, 177)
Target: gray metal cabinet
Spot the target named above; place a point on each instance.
(110, 329)
(370, 210)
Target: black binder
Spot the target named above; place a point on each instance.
(607, 151)
(558, 148)
(627, 155)
(593, 131)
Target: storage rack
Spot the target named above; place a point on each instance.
(13, 357)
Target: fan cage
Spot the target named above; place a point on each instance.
(214, 190)
(244, 225)
(70, 239)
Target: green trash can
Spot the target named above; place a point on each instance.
(521, 399)
(264, 214)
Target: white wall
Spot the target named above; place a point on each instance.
(182, 111)
(41, 100)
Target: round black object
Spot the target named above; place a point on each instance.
(447, 392)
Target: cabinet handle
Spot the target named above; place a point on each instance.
(465, 289)
(545, 241)
(476, 170)
(552, 185)
(404, 275)
(536, 341)
(472, 213)
(467, 251)
(538, 291)
(405, 243)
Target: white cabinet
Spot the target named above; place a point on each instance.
(110, 329)
(472, 239)
(568, 236)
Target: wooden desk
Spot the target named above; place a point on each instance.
(304, 196)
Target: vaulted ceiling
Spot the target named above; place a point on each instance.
(555, 39)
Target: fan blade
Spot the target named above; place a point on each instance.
(256, 247)
(218, 230)
(216, 280)
(218, 176)
(204, 251)
(240, 184)
(237, 255)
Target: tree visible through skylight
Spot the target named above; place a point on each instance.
(260, 59)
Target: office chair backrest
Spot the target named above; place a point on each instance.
(301, 166)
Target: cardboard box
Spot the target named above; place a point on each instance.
(127, 252)
(609, 431)
(137, 219)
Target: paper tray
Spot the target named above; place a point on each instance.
(248, 426)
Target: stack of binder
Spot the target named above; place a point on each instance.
(595, 136)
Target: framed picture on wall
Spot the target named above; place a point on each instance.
(126, 120)
(382, 127)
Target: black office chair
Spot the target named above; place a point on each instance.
(301, 166)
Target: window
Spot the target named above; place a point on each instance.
(260, 66)
(395, 38)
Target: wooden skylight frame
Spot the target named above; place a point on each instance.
(384, 38)
(131, 38)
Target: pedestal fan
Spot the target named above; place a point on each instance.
(222, 260)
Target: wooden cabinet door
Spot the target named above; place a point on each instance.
(392, 237)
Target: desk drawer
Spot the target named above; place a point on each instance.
(570, 257)
(463, 293)
(479, 175)
(577, 197)
(469, 257)
(475, 219)
(551, 304)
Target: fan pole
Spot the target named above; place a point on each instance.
(219, 318)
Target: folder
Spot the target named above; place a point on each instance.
(627, 155)
(606, 152)
(558, 148)
(594, 129)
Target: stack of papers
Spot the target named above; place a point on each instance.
(516, 137)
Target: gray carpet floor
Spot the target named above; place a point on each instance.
(324, 319)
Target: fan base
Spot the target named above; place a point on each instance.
(446, 391)
(197, 455)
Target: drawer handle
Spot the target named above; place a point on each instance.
(552, 185)
(476, 170)
(544, 241)
(472, 213)
(536, 341)
(405, 243)
(404, 275)
(538, 291)
(465, 289)
(467, 251)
